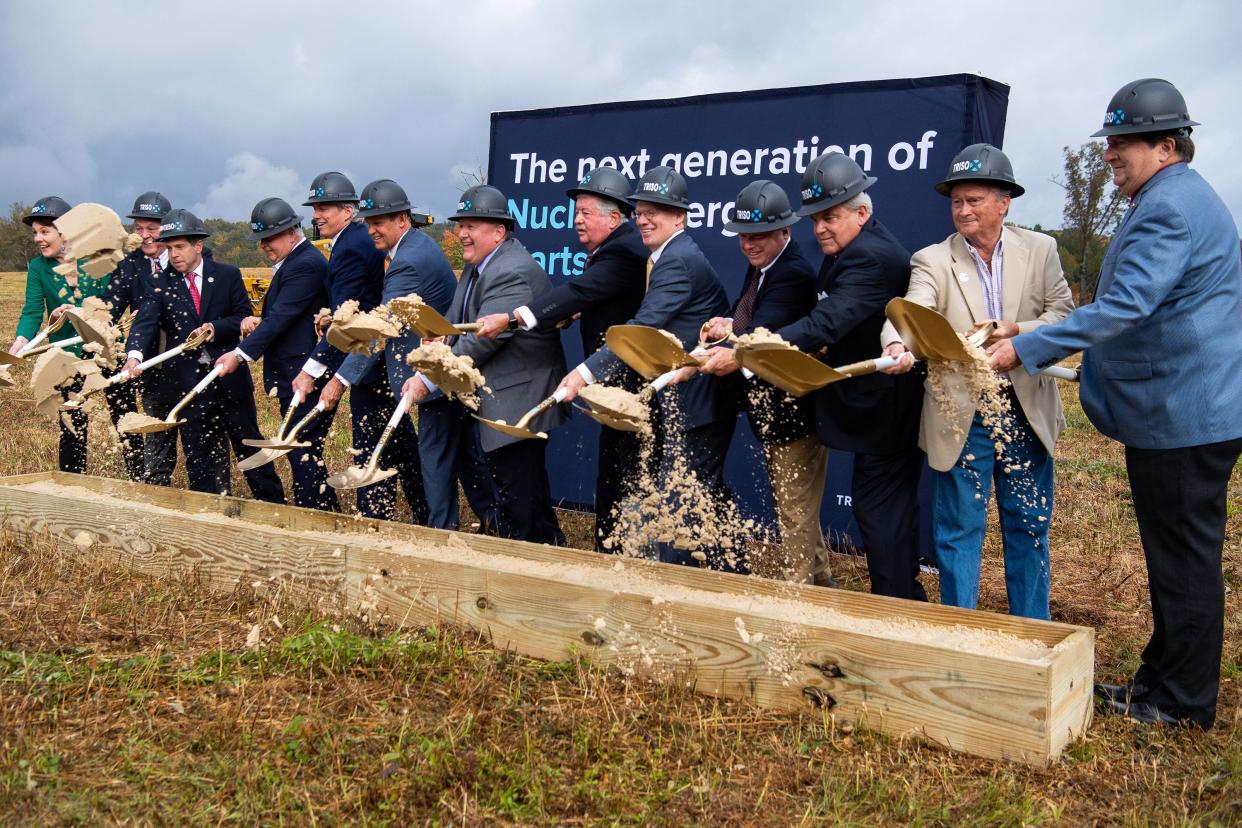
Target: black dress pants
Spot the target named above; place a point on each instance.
(885, 490)
(1180, 500)
(525, 499)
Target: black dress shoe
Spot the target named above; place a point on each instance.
(1121, 693)
(1145, 713)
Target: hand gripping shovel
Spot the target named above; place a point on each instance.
(355, 477)
(52, 326)
(171, 421)
(192, 342)
(28, 352)
(520, 428)
(426, 321)
(929, 336)
(283, 443)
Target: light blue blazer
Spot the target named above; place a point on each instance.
(1163, 337)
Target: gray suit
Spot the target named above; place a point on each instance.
(524, 369)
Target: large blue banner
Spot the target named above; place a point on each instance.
(904, 132)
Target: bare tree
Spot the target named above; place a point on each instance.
(1093, 206)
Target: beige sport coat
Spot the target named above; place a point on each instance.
(943, 277)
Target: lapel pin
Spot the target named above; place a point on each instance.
(963, 278)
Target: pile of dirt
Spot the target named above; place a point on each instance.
(453, 374)
(361, 332)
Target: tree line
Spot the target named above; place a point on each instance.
(1093, 206)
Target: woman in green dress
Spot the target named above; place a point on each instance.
(46, 293)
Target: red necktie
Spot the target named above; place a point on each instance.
(745, 310)
(194, 294)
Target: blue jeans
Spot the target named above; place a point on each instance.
(1024, 504)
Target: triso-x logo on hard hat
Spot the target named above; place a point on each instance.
(974, 165)
(176, 225)
(653, 187)
(1117, 116)
(813, 191)
(149, 208)
(464, 205)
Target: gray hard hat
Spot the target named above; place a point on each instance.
(150, 205)
(662, 185)
(47, 208)
(382, 198)
(831, 179)
(330, 188)
(182, 224)
(270, 217)
(981, 164)
(761, 206)
(483, 201)
(1145, 105)
(605, 182)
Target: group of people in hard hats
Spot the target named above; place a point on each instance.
(1156, 341)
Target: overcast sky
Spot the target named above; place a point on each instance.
(221, 104)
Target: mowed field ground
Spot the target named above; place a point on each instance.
(136, 700)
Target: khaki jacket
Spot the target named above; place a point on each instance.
(1035, 293)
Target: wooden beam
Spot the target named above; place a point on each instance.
(986, 684)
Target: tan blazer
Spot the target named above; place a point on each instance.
(943, 276)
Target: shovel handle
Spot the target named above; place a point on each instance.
(298, 396)
(558, 396)
(194, 392)
(467, 327)
(28, 352)
(164, 357)
(1061, 372)
(400, 411)
(663, 380)
(302, 423)
(867, 366)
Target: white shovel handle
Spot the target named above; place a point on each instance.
(1061, 373)
(300, 424)
(664, 379)
(194, 392)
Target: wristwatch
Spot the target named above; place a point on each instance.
(513, 322)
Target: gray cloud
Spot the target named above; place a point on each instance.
(105, 99)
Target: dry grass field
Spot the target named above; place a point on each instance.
(136, 700)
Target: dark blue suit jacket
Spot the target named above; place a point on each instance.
(879, 413)
(355, 271)
(130, 282)
(607, 293)
(684, 293)
(286, 336)
(418, 267)
(786, 294)
(170, 308)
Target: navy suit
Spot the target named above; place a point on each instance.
(356, 271)
(875, 416)
(787, 293)
(417, 266)
(284, 338)
(607, 293)
(224, 413)
(683, 293)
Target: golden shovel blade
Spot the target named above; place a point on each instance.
(274, 443)
(610, 419)
(260, 458)
(512, 430)
(926, 333)
(789, 369)
(425, 320)
(151, 428)
(355, 477)
(649, 351)
(6, 381)
(9, 359)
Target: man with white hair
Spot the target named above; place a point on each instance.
(987, 272)
(876, 416)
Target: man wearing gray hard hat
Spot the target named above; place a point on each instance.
(1159, 375)
(779, 288)
(988, 272)
(284, 337)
